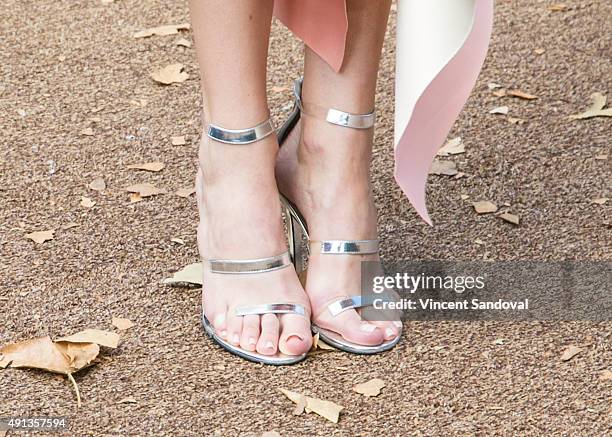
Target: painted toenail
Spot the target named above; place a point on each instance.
(269, 345)
(252, 341)
(367, 327)
(398, 324)
(236, 338)
(389, 333)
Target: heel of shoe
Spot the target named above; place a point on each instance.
(297, 236)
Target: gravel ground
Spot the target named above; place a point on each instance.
(68, 65)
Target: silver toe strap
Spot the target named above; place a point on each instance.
(331, 115)
(240, 136)
(345, 247)
(271, 308)
(246, 266)
(353, 302)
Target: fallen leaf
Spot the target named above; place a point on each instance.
(41, 236)
(145, 190)
(499, 341)
(600, 200)
(87, 132)
(135, 197)
(178, 241)
(122, 324)
(185, 192)
(500, 110)
(570, 352)
(493, 86)
(539, 51)
(149, 166)
(370, 388)
(178, 140)
(452, 147)
(605, 375)
(128, 400)
(53, 356)
(183, 42)
(326, 409)
(484, 207)
(300, 406)
(86, 202)
(318, 344)
(69, 226)
(102, 338)
(191, 274)
(439, 167)
(559, 7)
(168, 29)
(97, 184)
(521, 95)
(499, 93)
(510, 218)
(598, 101)
(173, 73)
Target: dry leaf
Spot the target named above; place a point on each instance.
(448, 168)
(102, 338)
(42, 353)
(500, 110)
(135, 197)
(87, 132)
(539, 51)
(178, 140)
(178, 241)
(41, 236)
(370, 388)
(121, 323)
(521, 95)
(559, 7)
(600, 200)
(605, 375)
(183, 42)
(69, 226)
(97, 184)
(191, 274)
(328, 410)
(452, 147)
(484, 207)
(168, 29)
(570, 352)
(598, 101)
(173, 73)
(128, 400)
(86, 202)
(510, 218)
(185, 192)
(145, 190)
(149, 166)
(499, 93)
(493, 86)
(300, 406)
(499, 341)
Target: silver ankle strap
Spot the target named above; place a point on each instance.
(331, 115)
(240, 136)
(247, 266)
(345, 247)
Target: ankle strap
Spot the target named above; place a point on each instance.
(344, 247)
(240, 136)
(331, 115)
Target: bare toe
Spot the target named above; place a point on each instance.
(268, 340)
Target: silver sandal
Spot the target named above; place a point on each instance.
(251, 266)
(298, 232)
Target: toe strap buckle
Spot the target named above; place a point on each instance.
(271, 308)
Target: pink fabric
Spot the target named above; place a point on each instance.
(323, 24)
(437, 109)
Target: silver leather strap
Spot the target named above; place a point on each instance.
(331, 115)
(247, 266)
(352, 302)
(345, 247)
(240, 136)
(271, 308)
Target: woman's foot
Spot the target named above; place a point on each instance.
(240, 219)
(325, 172)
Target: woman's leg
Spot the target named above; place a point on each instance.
(326, 169)
(236, 190)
